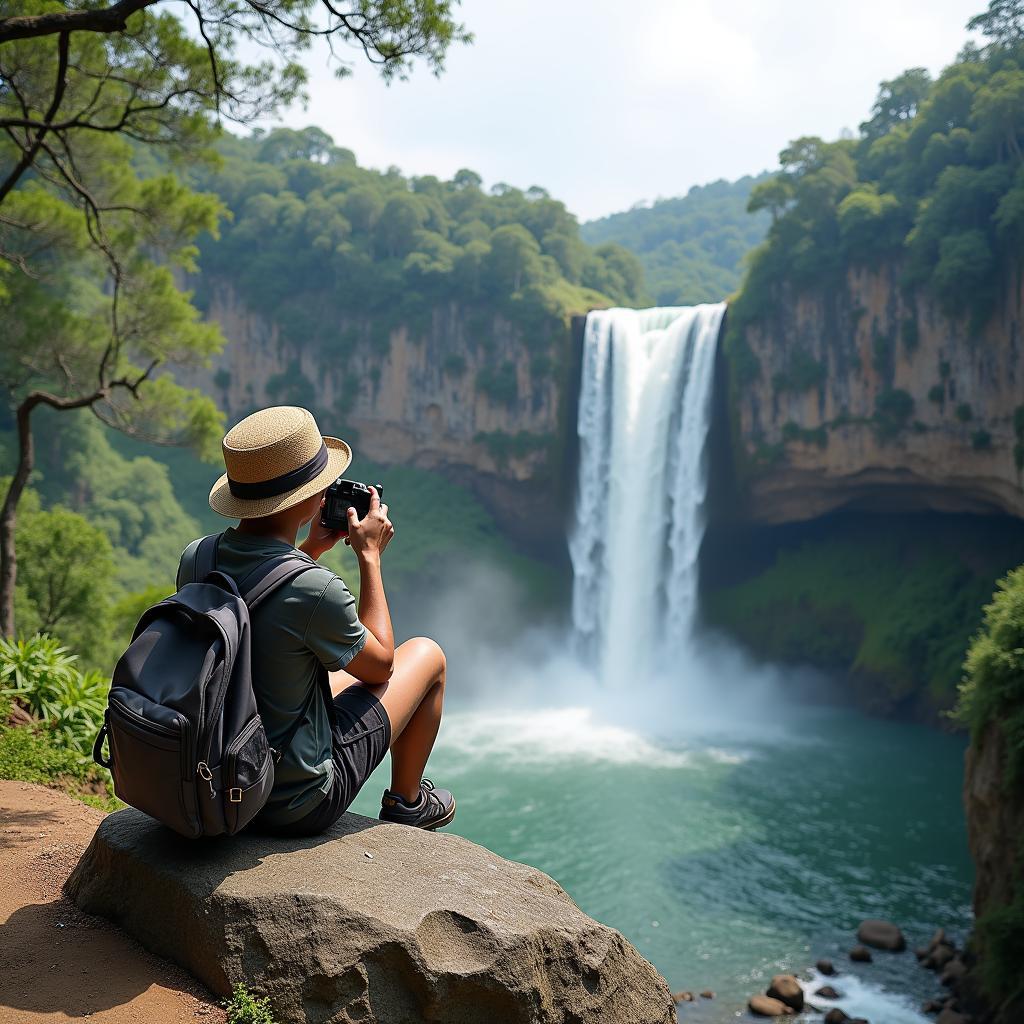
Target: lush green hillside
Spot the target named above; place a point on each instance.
(888, 603)
(934, 182)
(691, 247)
(314, 237)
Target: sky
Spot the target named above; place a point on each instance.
(609, 104)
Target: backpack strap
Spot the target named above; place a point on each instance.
(262, 581)
(204, 560)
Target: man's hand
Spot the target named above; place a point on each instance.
(320, 539)
(370, 535)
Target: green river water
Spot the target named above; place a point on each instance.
(727, 850)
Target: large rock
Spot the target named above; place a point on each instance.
(786, 989)
(881, 935)
(369, 922)
(766, 1006)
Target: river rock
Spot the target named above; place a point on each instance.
(953, 973)
(861, 955)
(836, 1016)
(766, 1006)
(369, 921)
(939, 957)
(881, 935)
(828, 992)
(825, 967)
(786, 989)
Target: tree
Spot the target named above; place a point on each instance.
(88, 241)
(65, 585)
(898, 101)
(1003, 22)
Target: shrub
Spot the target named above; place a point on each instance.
(964, 412)
(42, 675)
(937, 394)
(245, 1008)
(802, 373)
(981, 440)
(893, 408)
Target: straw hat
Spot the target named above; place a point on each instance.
(276, 458)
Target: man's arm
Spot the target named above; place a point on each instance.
(368, 538)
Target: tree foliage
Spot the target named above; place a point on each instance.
(935, 182)
(316, 241)
(691, 247)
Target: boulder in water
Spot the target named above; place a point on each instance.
(427, 927)
(786, 989)
(954, 973)
(828, 992)
(682, 997)
(766, 1006)
(836, 1016)
(939, 957)
(951, 1016)
(882, 935)
(707, 994)
(825, 967)
(861, 955)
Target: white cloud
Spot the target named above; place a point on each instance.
(604, 104)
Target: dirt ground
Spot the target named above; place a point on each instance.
(57, 964)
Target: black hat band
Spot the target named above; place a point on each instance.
(283, 483)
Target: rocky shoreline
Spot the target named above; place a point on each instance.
(808, 995)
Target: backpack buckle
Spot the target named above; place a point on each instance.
(235, 794)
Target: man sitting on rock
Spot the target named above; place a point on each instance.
(384, 697)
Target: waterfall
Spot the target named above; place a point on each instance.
(644, 412)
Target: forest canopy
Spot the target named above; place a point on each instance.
(934, 181)
(692, 247)
(314, 239)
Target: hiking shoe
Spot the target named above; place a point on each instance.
(434, 809)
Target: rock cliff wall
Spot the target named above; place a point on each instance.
(464, 391)
(995, 825)
(868, 397)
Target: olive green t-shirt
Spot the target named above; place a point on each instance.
(308, 622)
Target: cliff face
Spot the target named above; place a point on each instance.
(995, 825)
(462, 392)
(867, 397)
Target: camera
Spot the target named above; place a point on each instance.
(340, 497)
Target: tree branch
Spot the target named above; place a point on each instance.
(107, 19)
(29, 154)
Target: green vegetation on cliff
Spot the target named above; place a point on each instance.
(934, 182)
(316, 241)
(888, 602)
(992, 695)
(691, 247)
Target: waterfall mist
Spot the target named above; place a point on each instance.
(629, 652)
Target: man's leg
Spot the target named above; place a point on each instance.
(412, 698)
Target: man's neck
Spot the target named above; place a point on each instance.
(271, 528)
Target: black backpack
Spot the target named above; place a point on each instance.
(187, 744)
